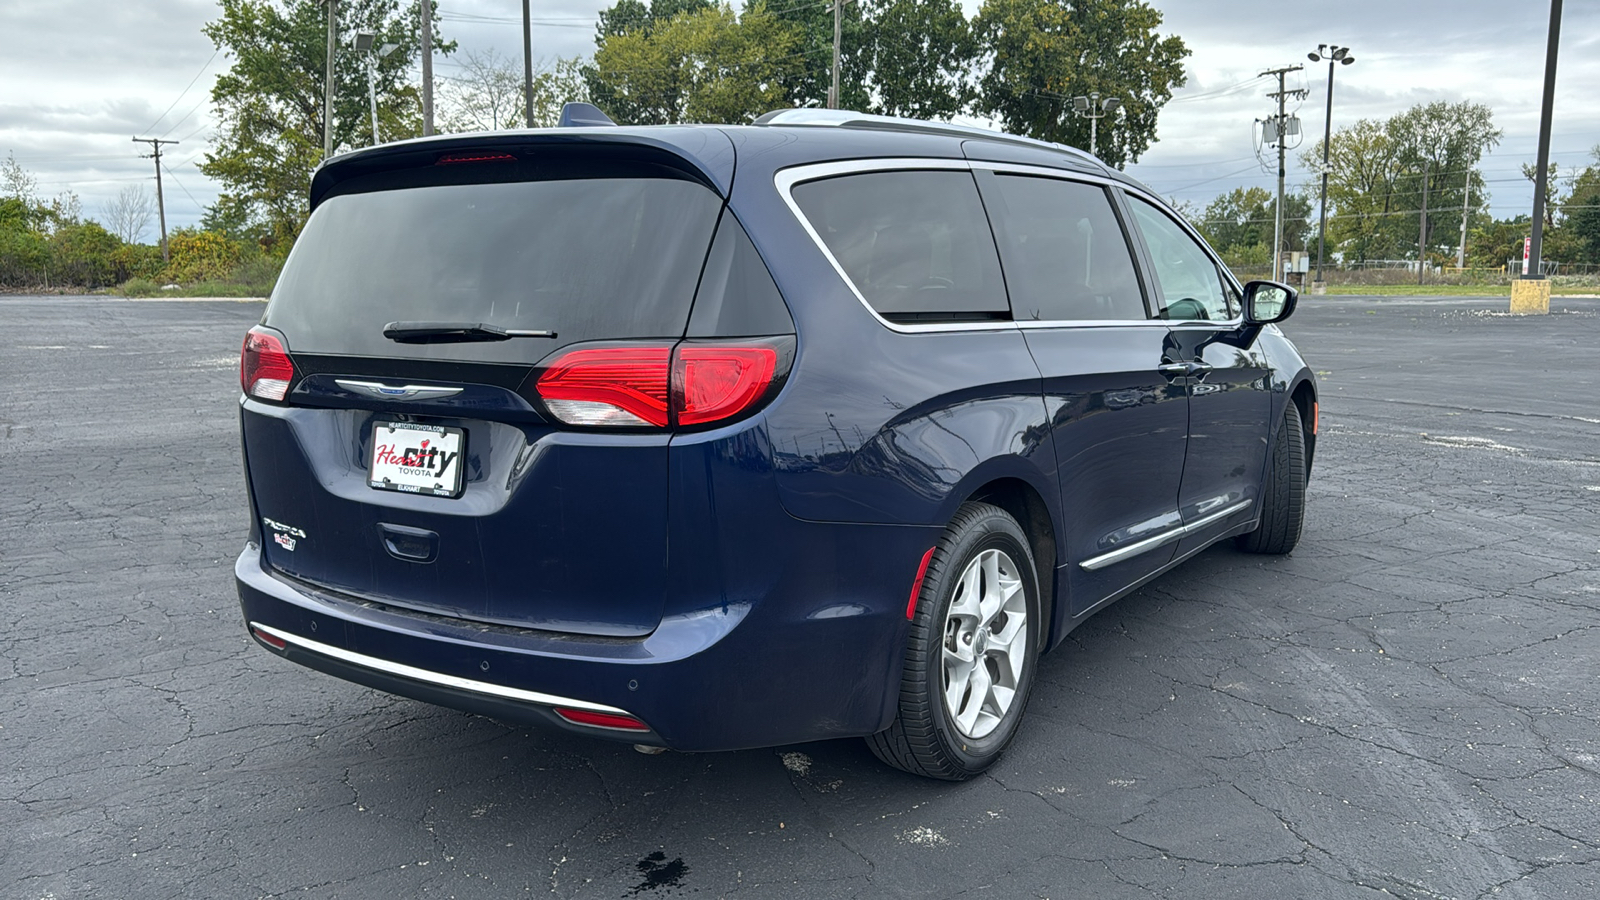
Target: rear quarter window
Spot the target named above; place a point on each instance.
(916, 244)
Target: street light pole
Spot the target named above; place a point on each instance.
(1543, 174)
(1333, 55)
(1094, 108)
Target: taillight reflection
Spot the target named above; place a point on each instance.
(265, 370)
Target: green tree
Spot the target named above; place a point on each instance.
(269, 105)
(700, 66)
(1240, 224)
(1377, 172)
(644, 99)
(807, 81)
(920, 55)
(1041, 53)
(1583, 211)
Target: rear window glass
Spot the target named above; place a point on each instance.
(737, 296)
(1065, 253)
(915, 244)
(590, 259)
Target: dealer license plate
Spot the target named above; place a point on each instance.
(417, 459)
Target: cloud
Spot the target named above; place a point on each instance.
(83, 76)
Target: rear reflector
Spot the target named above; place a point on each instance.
(479, 156)
(609, 386)
(1316, 415)
(264, 367)
(601, 720)
(273, 641)
(711, 382)
(916, 585)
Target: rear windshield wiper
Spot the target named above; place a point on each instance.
(454, 332)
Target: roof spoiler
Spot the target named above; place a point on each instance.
(578, 115)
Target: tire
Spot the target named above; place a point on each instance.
(1283, 497)
(927, 736)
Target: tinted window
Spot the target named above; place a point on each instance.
(737, 297)
(1191, 284)
(1064, 251)
(915, 244)
(588, 258)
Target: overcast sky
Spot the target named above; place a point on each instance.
(79, 78)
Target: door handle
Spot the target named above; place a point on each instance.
(1198, 370)
(1173, 370)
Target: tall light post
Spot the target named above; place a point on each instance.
(1336, 56)
(1094, 108)
(364, 42)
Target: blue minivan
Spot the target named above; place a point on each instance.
(711, 437)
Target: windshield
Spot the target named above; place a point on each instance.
(590, 259)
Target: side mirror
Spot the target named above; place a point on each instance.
(1266, 302)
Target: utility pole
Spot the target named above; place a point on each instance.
(426, 9)
(1422, 228)
(161, 203)
(833, 89)
(1466, 201)
(527, 65)
(327, 87)
(1282, 130)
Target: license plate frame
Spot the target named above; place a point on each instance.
(440, 449)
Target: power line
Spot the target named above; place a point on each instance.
(184, 91)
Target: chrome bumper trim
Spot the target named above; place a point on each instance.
(438, 678)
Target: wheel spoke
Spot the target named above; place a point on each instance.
(968, 717)
(993, 598)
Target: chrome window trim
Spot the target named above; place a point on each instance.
(436, 678)
(1166, 537)
(785, 180)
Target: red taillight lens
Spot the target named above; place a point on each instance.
(601, 720)
(264, 367)
(609, 386)
(712, 382)
(271, 640)
(657, 386)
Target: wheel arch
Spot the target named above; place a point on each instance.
(1303, 394)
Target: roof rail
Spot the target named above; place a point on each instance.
(844, 118)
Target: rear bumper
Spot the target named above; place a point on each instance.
(814, 659)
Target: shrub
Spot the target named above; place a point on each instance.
(82, 254)
(199, 256)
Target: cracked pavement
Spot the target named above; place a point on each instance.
(1405, 707)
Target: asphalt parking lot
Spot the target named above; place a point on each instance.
(1406, 707)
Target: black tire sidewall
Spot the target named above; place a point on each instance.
(993, 531)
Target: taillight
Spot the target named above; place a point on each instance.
(711, 382)
(264, 367)
(657, 386)
(609, 386)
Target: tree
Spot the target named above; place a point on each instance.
(920, 54)
(129, 215)
(487, 96)
(635, 19)
(269, 105)
(1583, 211)
(1377, 174)
(807, 81)
(1240, 224)
(1041, 53)
(701, 66)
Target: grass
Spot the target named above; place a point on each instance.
(1446, 290)
(143, 287)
